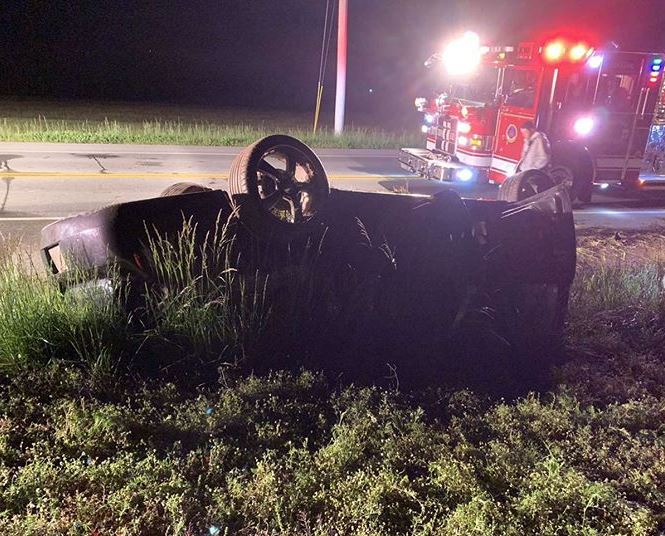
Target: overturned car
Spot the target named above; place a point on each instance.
(389, 275)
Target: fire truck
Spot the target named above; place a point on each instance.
(597, 107)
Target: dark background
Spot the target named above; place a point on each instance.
(265, 53)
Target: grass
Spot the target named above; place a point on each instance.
(72, 122)
(299, 452)
(39, 324)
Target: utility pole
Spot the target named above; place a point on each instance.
(340, 92)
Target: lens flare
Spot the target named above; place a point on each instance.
(464, 174)
(462, 55)
(578, 52)
(554, 51)
(583, 126)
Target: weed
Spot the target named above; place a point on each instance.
(296, 453)
(118, 123)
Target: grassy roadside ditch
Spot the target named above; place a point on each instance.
(36, 121)
(93, 445)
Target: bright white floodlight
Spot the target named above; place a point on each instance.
(462, 55)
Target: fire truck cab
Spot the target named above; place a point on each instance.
(596, 107)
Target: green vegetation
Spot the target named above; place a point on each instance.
(154, 124)
(87, 449)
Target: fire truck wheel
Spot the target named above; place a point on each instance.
(562, 174)
(578, 183)
(282, 183)
(180, 188)
(524, 185)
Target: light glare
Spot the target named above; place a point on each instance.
(462, 55)
(583, 126)
(595, 62)
(420, 103)
(554, 51)
(464, 174)
(578, 52)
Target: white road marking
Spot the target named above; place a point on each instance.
(187, 153)
(610, 212)
(33, 218)
(98, 175)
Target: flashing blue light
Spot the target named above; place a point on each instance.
(429, 118)
(658, 61)
(656, 68)
(464, 174)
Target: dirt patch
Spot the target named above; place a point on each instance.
(596, 246)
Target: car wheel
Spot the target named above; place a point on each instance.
(576, 173)
(180, 188)
(562, 174)
(524, 185)
(281, 181)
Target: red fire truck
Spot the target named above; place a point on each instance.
(596, 106)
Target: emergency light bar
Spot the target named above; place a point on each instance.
(559, 51)
(554, 52)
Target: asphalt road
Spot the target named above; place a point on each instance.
(43, 182)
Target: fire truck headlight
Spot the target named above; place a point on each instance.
(463, 128)
(464, 174)
(429, 119)
(424, 129)
(463, 141)
(595, 61)
(583, 126)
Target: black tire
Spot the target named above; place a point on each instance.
(181, 188)
(563, 174)
(524, 185)
(575, 168)
(279, 199)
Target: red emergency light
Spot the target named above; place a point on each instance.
(554, 51)
(559, 51)
(579, 52)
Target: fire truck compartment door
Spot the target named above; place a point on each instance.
(521, 90)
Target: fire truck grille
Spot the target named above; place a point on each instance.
(448, 147)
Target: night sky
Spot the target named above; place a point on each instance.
(265, 53)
